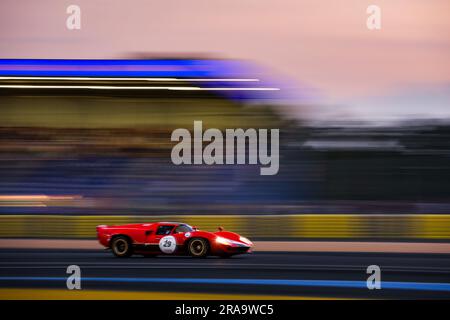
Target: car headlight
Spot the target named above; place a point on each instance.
(245, 240)
(223, 241)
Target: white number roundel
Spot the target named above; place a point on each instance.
(167, 244)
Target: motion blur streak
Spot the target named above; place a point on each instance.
(128, 79)
(135, 88)
(55, 294)
(293, 227)
(318, 274)
(37, 200)
(269, 282)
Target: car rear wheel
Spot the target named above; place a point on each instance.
(121, 247)
(198, 247)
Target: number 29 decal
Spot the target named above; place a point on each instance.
(167, 244)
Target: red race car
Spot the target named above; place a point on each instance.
(170, 238)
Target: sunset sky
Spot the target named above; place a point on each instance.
(402, 69)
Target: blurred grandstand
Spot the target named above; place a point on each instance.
(80, 138)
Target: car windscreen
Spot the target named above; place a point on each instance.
(183, 228)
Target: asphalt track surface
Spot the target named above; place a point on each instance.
(329, 275)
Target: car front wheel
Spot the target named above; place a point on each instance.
(198, 247)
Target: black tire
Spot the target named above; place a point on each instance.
(198, 247)
(121, 247)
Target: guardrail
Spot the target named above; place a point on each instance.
(295, 227)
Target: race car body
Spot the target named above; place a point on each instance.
(170, 238)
